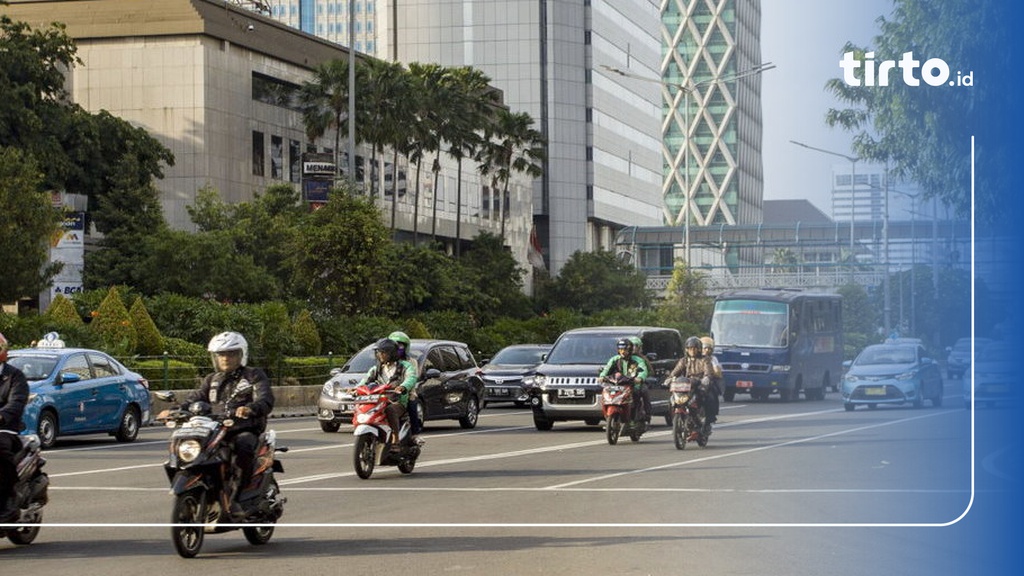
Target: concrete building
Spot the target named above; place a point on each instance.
(604, 169)
(206, 78)
(712, 102)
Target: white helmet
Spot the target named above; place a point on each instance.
(227, 341)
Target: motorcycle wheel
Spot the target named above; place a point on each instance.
(364, 456)
(258, 535)
(679, 432)
(406, 465)
(636, 431)
(189, 508)
(25, 536)
(612, 427)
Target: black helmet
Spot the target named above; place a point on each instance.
(624, 344)
(693, 342)
(387, 348)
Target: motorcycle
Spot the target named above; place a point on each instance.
(688, 421)
(200, 471)
(30, 493)
(621, 413)
(373, 433)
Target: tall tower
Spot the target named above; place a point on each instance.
(711, 128)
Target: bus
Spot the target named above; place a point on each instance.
(780, 341)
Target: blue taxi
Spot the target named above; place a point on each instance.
(80, 391)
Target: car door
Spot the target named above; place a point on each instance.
(931, 377)
(111, 392)
(76, 401)
(431, 390)
(468, 380)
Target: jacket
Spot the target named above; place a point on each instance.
(13, 397)
(243, 387)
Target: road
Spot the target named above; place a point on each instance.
(783, 488)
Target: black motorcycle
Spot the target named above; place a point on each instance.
(30, 493)
(200, 472)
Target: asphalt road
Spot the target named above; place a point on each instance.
(783, 488)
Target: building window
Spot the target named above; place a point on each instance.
(257, 153)
(276, 157)
(295, 161)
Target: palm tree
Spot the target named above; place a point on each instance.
(785, 260)
(510, 144)
(470, 110)
(423, 131)
(384, 85)
(324, 103)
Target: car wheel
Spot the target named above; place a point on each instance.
(128, 431)
(849, 407)
(472, 414)
(47, 429)
(937, 399)
(329, 425)
(729, 395)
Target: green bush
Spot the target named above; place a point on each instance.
(307, 337)
(150, 342)
(112, 324)
(170, 375)
(63, 312)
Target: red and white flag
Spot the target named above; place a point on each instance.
(533, 251)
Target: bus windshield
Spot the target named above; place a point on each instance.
(754, 323)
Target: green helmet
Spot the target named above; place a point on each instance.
(638, 344)
(400, 337)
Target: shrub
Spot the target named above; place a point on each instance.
(150, 342)
(63, 312)
(113, 325)
(306, 336)
(168, 375)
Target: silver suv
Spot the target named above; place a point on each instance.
(564, 387)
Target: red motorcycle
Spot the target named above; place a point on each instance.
(689, 423)
(621, 412)
(373, 433)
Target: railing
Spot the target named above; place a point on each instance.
(827, 280)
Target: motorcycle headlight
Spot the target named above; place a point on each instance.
(188, 450)
(363, 417)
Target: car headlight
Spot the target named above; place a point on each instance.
(453, 397)
(328, 389)
(906, 375)
(852, 378)
(188, 450)
(780, 368)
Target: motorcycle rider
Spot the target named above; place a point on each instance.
(645, 395)
(13, 397)
(628, 364)
(398, 374)
(697, 367)
(244, 393)
(404, 343)
(708, 351)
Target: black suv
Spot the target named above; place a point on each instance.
(448, 385)
(565, 387)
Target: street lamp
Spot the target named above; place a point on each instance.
(687, 88)
(853, 178)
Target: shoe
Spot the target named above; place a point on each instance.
(418, 441)
(693, 436)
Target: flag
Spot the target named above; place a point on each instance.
(533, 251)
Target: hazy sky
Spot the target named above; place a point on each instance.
(804, 39)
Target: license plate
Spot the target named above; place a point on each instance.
(744, 384)
(875, 391)
(499, 392)
(571, 393)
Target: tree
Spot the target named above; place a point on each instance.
(324, 103)
(339, 256)
(27, 222)
(687, 305)
(510, 145)
(423, 132)
(593, 281)
(924, 132)
(784, 260)
(150, 342)
(113, 325)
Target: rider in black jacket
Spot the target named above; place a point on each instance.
(244, 393)
(13, 397)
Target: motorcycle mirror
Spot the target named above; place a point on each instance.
(166, 396)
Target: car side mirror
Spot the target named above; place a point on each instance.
(927, 361)
(68, 378)
(652, 356)
(847, 364)
(335, 371)
(431, 373)
(544, 357)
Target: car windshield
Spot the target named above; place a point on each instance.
(518, 356)
(34, 367)
(584, 349)
(753, 323)
(362, 361)
(886, 355)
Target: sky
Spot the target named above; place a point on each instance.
(804, 39)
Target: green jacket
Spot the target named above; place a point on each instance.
(634, 366)
(404, 379)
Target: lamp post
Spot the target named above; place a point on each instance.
(687, 88)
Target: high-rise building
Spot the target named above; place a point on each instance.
(712, 120)
(603, 169)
